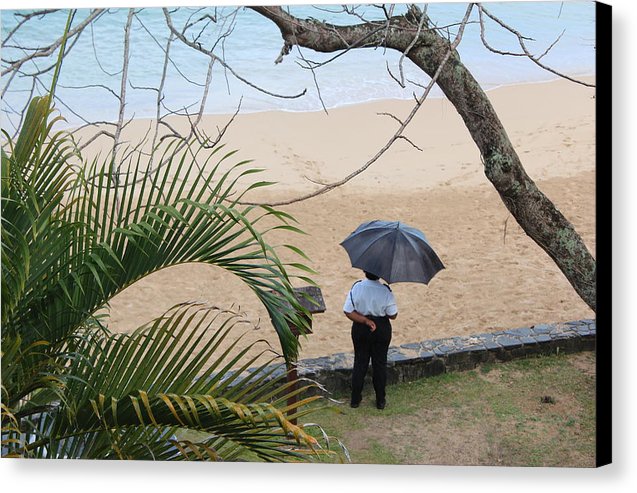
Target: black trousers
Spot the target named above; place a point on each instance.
(370, 345)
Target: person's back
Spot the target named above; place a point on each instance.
(371, 298)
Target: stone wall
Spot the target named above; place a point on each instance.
(433, 357)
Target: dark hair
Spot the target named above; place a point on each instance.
(370, 276)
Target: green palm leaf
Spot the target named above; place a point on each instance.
(117, 393)
(74, 236)
(91, 239)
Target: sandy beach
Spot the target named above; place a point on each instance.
(495, 277)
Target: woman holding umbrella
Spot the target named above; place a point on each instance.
(370, 305)
(394, 252)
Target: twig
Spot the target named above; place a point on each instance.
(406, 139)
(159, 98)
(90, 86)
(525, 50)
(209, 53)
(421, 23)
(161, 47)
(25, 18)
(97, 58)
(316, 84)
(41, 71)
(504, 231)
(400, 122)
(48, 50)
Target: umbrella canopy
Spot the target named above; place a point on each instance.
(393, 251)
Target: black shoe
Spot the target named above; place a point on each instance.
(380, 405)
(354, 404)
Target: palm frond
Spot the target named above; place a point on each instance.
(103, 235)
(124, 396)
(73, 236)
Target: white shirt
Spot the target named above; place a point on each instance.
(372, 298)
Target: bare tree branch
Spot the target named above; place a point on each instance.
(159, 99)
(525, 51)
(48, 50)
(394, 117)
(97, 58)
(176, 67)
(211, 143)
(421, 23)
(209, 53)
(25, 18)
(316, 84)
(92, 86)
(122, 92)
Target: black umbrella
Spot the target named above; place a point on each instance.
(393, 251)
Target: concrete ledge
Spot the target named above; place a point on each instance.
(428, 358)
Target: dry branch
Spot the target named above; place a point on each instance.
(525, 51)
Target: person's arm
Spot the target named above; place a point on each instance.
(361, 319)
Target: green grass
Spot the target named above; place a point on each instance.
(493, 415)
(379, 454)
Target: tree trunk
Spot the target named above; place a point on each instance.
(533, 211)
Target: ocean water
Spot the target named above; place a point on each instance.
(254, 43)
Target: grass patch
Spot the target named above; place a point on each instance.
(377, 453)
(531, 412)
